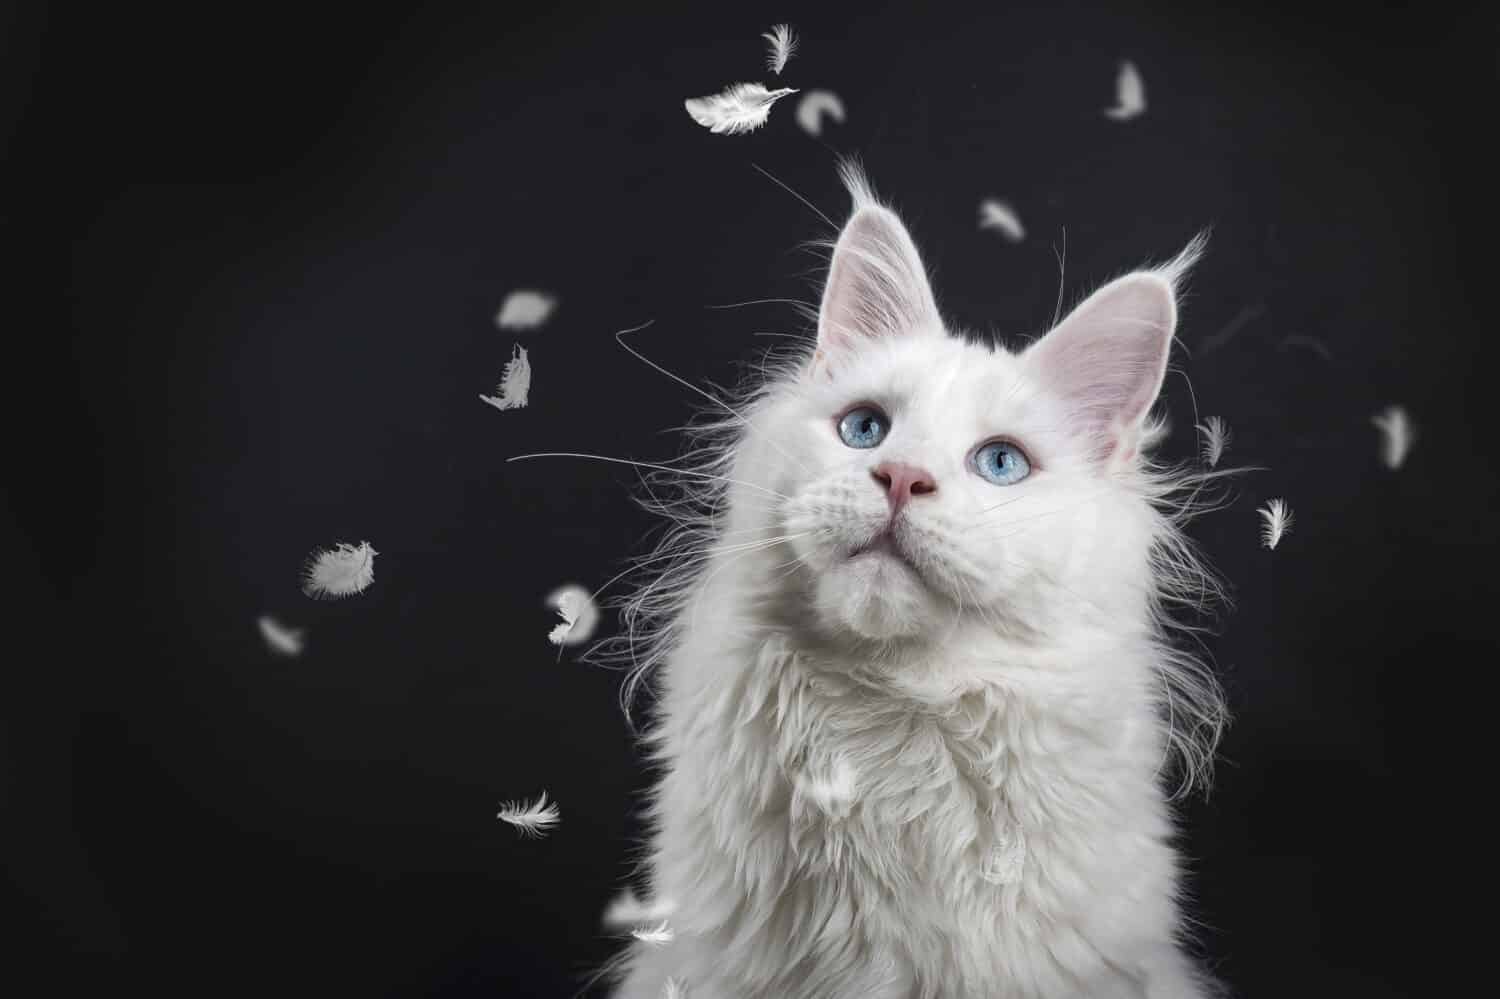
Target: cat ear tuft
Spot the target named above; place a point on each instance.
(877, 285)
(1108, 358)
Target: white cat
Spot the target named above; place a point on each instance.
(917, 702)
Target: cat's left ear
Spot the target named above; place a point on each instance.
(877, 285)
(1108, 358)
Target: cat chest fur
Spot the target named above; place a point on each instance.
(825, 828)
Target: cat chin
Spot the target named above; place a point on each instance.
(876, 596)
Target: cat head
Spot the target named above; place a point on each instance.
(921, 478)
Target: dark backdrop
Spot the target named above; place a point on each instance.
(284, 235)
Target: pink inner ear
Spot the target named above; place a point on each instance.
(1107, 359)
(876, 284)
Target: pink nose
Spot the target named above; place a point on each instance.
(901, 482)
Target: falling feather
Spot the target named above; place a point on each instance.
(783, 46)
(1397, 435)
(579, 615)
(525, 310)
(627, 911)
(341, 571)
(742, 107)
(1278, 521)
(674, 990)
(530, 819)
(1216, 437)
(1130, 94)
(999, 215)
(515, 382)
(281, 640)
(1007, 858)
(660, 935)
(814, 105)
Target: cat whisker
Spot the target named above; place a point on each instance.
(646, 464)
(765, 301)
(687, 384)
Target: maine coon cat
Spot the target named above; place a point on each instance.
(917, 709)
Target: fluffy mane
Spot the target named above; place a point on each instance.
(691, 495)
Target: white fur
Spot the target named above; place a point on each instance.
(942, 779)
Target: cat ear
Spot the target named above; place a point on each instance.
(1108, 358)
(877, 285)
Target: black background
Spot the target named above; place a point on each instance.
(284, 234)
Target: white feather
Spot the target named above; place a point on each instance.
(674, 990)
(530, 819)
(742, 107)
(281, 640)
(1216, 438)
(813, 106)
(341, 571)
(1278, 521)
(627, 911)
(525, 310)
(783, 46)
(999, 215)
(515, 382)
(1397, 435)
(579, 615)
(659, 935)
(1130, 94)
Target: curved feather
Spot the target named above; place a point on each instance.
(524, 309)
(532, 819)
(741, 107)
(280, 639)
(1277, 517)
(579, 615)
(1130, 94)
(515, 382)
(1396, 435)
(995, 214)
(812, 108)
(783, 46)
(341, 571)
(1216, 437)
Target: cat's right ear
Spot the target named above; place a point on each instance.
(877, 286)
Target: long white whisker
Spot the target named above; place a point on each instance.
(647, 464)
(687, 384)
(799, 197)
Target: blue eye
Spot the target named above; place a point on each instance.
(864, 426)
(1002, 463)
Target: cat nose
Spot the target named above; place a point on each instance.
(902, 481)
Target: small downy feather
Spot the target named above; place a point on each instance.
(1277, 517)
(627, 911)
(533, 819)
(579, 615)
(674, 990)
(341, 571)
(1396, 435)
(658, 935)
(1130, 94)
(995, 214)
(742, 107)
(281, 640)
(1216, 437)
(783, 46)
(525, 310)
(515, 382)
(814, 105)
